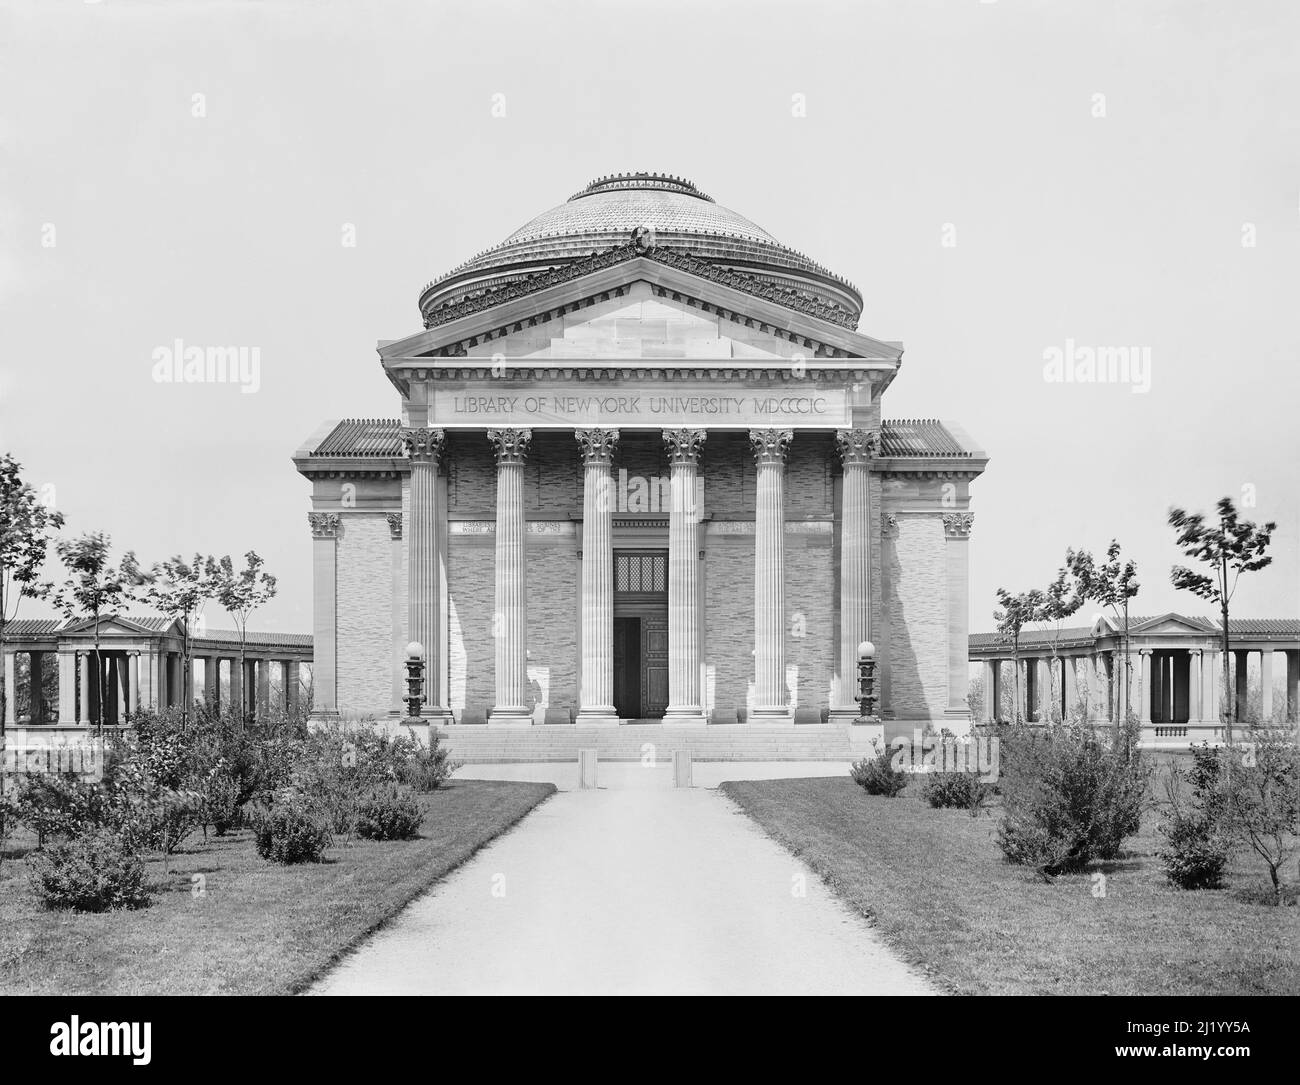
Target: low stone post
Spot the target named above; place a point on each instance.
(586, 769)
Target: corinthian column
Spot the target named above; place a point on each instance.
(856, 446)
(684, 706)
(596, 700)
(770, 700)
(956, 530)
(424, 446)
(510, 620)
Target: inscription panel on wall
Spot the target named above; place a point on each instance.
(644, 404)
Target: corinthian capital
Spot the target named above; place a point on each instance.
(857, 445)
(770, 445)
(510, 445)
(957, 525)
(597, 445)
(423, 444)
(684, 444)
(324, 525)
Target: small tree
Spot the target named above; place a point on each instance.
(25, 527)
(1262, 797)
(1017, 612)
(1112, 585)
(94, 589)
(240, 594)
(1063, 598)
(179, 589)
(1231, 548)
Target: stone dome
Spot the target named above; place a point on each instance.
(603, 216)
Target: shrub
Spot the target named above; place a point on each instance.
(1068, 798)
(427, 767)
(878, 776)
(287, 829)
(92, 872)
(964, 790)
(389, 813)
(1195, 852)
(60, 805)
(222, 799)
(1197, 845)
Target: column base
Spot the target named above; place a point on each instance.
(688, 716)
(780, 715)
(597, 716)
(844, 714)
(510, 716)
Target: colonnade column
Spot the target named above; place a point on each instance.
(956, 530)
(770, 694)
(596, 700)
(856, 448)
(83, 713)
(292, 684)
(424, 447)
(510, 620)
(1148, 693)
(11, 692)
(685, 706)
(990, 713)
(1292, 686)
(1240, 690)
(1195, 686)
(133, 683)
(325, 528)
(1266, 686)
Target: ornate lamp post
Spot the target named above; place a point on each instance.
(414, 679)
(867, 681)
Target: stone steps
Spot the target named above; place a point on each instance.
(811, 742)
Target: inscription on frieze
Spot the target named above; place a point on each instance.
(643, 404)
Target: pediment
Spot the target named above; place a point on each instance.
(637, 308)
(115, 626)
(1169, 623)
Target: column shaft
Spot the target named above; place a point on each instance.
(86, 659)
(11, 690)
(424, 446)
(684, 702)
(510, 620)
(856, 448)
(770, 694)
(596, 700)
(1147, 696)
(1266, 687)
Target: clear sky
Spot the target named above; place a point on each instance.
(133, 213)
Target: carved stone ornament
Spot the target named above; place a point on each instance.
(395, 524)
(510, 445)
(957, 525)
(324, 525)
(422, 443)
(597, 445)
(684, 444)
(890, 528)
(770, 445)
(857, 445)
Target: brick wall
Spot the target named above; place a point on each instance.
(552, 570)
(471, 602)
(729, 619)
(812, 624)
(917, 604)
(364, 609)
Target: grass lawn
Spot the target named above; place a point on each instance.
(260, 928)
(935, 884)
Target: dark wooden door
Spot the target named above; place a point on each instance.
(654, 666)
(627, 667)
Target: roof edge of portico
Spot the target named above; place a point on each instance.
(499, 320)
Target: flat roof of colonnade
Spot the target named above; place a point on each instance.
(1281, 634)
